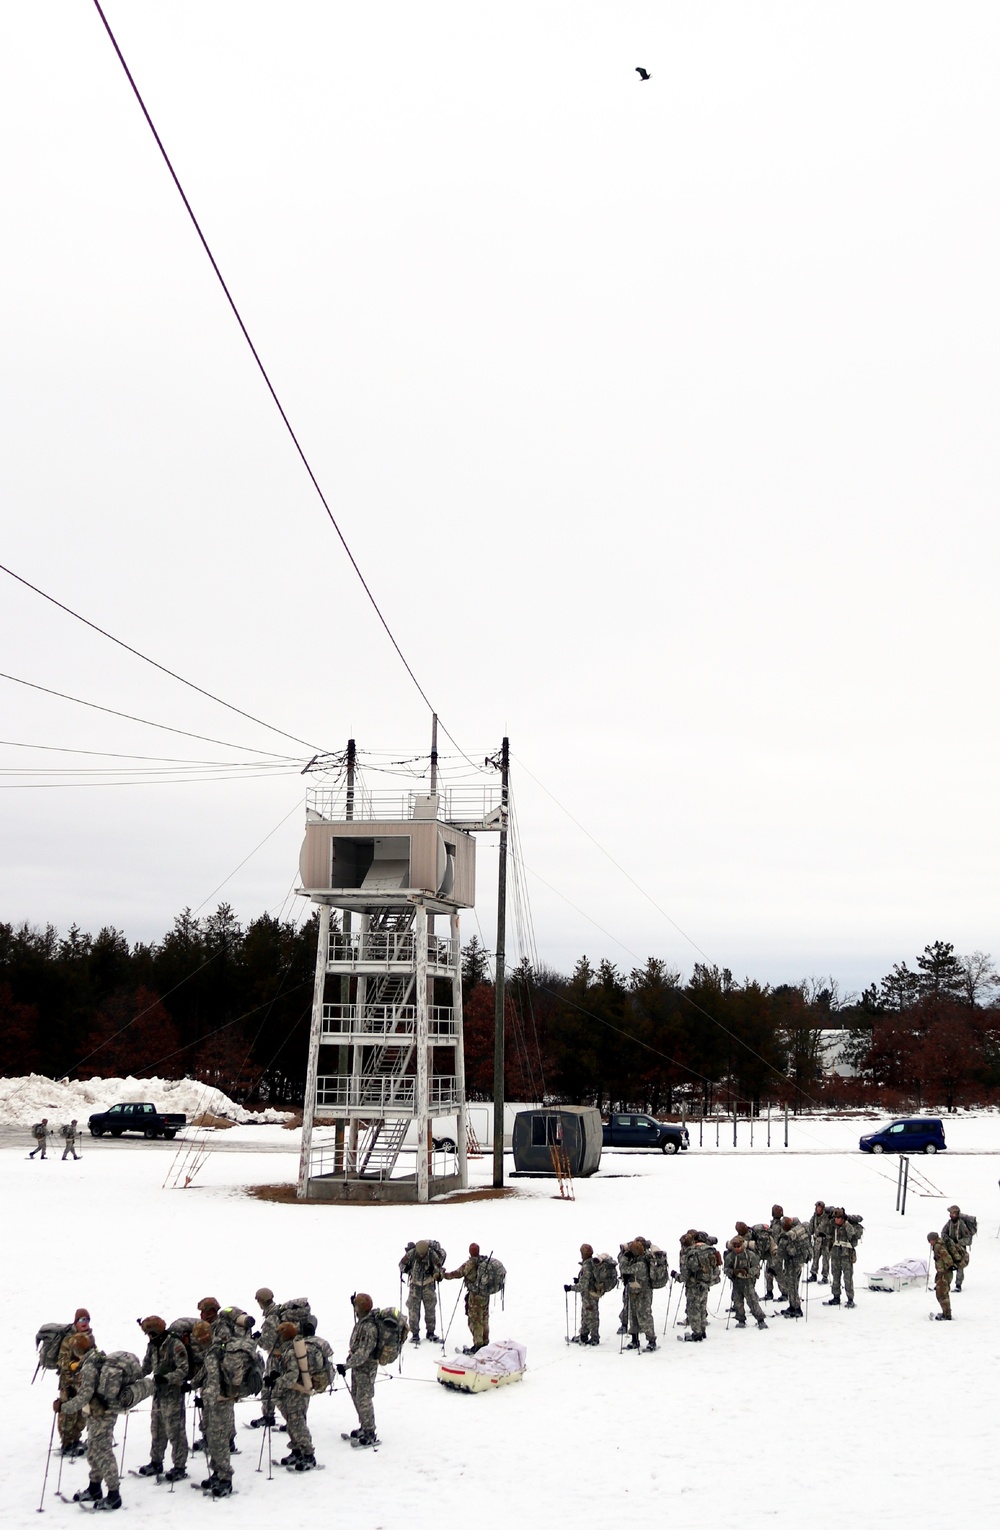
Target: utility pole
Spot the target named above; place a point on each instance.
(345, 982)
(498, 1019)
(434, 754)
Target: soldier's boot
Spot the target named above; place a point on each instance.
(222, 1488)
(942, 1317)
(90, 1494)
(305, 1463)
(849, 1302)
(291, 1458)
(741, 1322)
(810, 1280)
(824, 1280)
(151, 1469)
(175, 1474)
(958, 1285)
(761, 1323)
(633, 1343)
(650, 1344)
(113, 1500)
(594, 1341)
(367, 1437)
(792, 1312)
(208, 1483)
(430, 1337)
(266, 1421)
(414, 1338)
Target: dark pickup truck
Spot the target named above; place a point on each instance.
(643, 1131)
(135, 1118)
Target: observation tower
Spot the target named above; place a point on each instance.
(385, 1046)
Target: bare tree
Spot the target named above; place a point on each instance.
(979, 978)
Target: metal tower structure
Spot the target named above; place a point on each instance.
(385, 1047)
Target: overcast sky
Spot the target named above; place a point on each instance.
(660, 417)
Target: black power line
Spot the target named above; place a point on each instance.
(260, 365)
(155, 663)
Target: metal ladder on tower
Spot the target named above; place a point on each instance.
(383, 1139)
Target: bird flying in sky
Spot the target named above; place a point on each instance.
(642, 73)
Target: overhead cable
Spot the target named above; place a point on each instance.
(154, 662)
(260, 365)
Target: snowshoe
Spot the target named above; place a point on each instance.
(833, 1302)
(113, 1500)
(263, 1422)
(633, 1343)
(151, 1469)
(305, 1463)
(761, 1323)
(175, 1474)
(792, 1312)
(740, 1323)
(942, 1317)
(90, 1494)
(290, 1459)
(222, 1489)
(364, 1438)
(431, 1338)
(650, 1344)
(849, 1302)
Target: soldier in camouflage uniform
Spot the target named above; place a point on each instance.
(842, 1257)
(820, 1229)
(958, 1230)
(290, 1396)
(586, 1284)
(267, 1338)
(633, 1263)
(422, 1266)
(166, 1360)
(743, 1266)
(477, 1303)
(217, 1413)
(362, 1362)
(794, 1248)
(219, 1321)
(944, 1269)
(101, 1463)
(774, 1267)
(71, 1136)
(697, 1261)
(68, 1363)
(40, 1132)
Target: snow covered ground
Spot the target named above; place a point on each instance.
(872, 1415)
(27, 1099)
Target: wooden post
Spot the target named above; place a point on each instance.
(498, 1016)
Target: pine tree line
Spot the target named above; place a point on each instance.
(230, 1004)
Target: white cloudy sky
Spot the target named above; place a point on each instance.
(660, 417)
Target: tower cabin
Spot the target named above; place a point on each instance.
(385, 1051)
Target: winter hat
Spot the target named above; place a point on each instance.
(264, 1295)
(81, 1315)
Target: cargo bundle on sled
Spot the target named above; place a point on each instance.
(495, 1365)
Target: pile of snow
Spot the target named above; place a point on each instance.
(25, 1100)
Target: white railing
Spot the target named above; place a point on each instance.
(325, 1161)
(456, 804)
(382, 1092)
(386, 948)
(385, 1020)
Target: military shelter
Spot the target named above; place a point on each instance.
(574, 1131)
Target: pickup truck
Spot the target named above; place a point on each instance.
(135, 1118)
(643, 1131)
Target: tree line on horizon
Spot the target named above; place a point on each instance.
(230, 1004)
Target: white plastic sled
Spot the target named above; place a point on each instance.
(496, 1365)
(896, 1277)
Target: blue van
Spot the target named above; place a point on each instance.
(917, 1134)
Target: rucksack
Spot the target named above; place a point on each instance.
(241, 1368)
(436, 1254)
(48, 1342)
(605, 1274)
(295, 1311)
(708, 1264)
(970, 1222)
(856, 1224)
(393, 1331)
(320, 1365)
(181, 1328)
(490, 1276)
(119, 1369)
(959, 1254)
(659, 1268)
(39, 1131)
(67, 1131)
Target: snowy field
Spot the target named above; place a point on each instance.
(870, 1416)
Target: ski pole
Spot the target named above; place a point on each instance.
(48, 1458)
(121, 1464)
(625, 1310)
(566, 1305)
(444, 1341)
(670, 1297)
(269, 1473)
(62, 1457)
(732, 1292)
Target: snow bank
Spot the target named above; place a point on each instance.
(25, 1100)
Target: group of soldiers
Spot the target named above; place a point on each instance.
(226, 1355)
(70, 1133)
(782, 1248)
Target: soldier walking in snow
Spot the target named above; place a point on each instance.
(820, 1229)
(68, 1363)
(101, 1463)
(960, 1229)
(842, 1257)
(699, 1269)
(40, 1132)
(944, 1268)
(217, 1411)
(597, 1276)
(362, 1362)
(290, 1396)
(742, 1266)
(773, 1264)
(793, 1245)
(168, 1363)
(477, 1301)
(423, 1266)
(633, 1262)
(71, 1136)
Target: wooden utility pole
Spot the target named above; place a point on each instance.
(498, 1019)
(434, 754)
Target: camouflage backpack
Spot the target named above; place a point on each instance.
(855, 1222)
(48, 1342)
(605, 1274)
(181, 1328)
(959, 1254)
(659, 1268)
(297, 1310)
(67, 1131)
(119, 1369)
(970, 1222)
(707, 1262)
(320, 1365)
(241, 1369)
(393, 1331)
(490, 1277)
